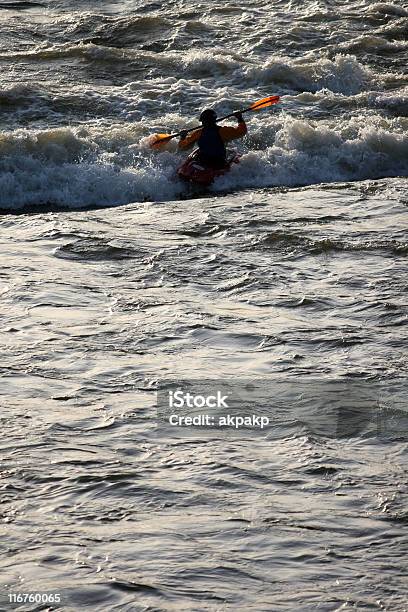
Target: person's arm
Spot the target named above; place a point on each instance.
(187, 140)
(228, 132)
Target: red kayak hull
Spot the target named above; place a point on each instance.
(193, 171)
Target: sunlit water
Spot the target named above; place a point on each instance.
(117, 277)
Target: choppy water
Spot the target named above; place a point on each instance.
(116, 276)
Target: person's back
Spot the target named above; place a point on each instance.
(211, 138)
(212, 148)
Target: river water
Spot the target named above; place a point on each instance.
(116, 277)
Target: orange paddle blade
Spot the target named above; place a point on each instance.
(158, 140)
(265, 102)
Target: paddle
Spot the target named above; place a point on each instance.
(157, 140)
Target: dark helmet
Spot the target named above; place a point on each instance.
(208, 117)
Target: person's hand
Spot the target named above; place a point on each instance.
(183, 134)
(239, 116)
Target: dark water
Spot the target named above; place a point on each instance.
(116, 278)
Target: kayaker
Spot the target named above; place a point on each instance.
(211, 138)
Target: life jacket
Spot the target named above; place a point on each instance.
(211, 146)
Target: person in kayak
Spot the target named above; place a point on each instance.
(211, 138)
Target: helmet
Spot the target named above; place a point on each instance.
(208, 116)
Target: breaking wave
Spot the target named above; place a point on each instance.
(84, 167)
(305, 153)
(343, 74)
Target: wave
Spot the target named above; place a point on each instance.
(373, 44)
(32, 102)
(22, 5)
(81, 168)
(191, 64)
(385, 8)
(202, 63)
(343, 74)
(121, 31)
(81, 50)
(305, 153)
(21, 92)
(285, 240)
(394, 102)
(395, 29)
(85, 167)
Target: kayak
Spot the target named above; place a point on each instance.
(193, 171)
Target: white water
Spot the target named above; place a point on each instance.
(79, 167)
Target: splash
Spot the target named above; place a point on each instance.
(81, 168)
